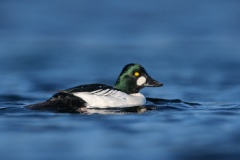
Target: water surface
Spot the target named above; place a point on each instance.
(191, 47)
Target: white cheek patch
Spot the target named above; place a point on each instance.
(141, 80)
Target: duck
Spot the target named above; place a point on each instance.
(124, 94)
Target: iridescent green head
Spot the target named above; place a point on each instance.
(133, 78)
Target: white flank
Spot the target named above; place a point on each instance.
(141, 80)
(111, 98)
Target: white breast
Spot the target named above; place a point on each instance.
(111, 98)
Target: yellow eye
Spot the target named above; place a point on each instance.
(136, 74)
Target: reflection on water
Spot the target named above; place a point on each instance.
(160, 132)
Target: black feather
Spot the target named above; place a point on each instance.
(88, 88)
(61, 102)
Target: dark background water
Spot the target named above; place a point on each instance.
(190, 46)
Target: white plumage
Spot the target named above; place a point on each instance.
(111, 98)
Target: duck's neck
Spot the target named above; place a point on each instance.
(128, 87)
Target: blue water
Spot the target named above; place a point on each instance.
(192, 47)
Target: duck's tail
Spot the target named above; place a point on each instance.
(60, 102)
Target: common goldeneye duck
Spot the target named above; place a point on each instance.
(125, 93)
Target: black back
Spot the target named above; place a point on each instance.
(87, 88)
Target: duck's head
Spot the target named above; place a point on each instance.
(133, 78)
